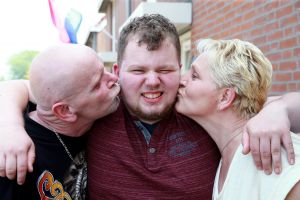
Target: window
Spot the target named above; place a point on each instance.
(186, 57)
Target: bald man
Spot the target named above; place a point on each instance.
(72, 90)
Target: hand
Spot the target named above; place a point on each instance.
(17, 153)
(264, 134)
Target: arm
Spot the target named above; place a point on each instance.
(16, 149)
(270, 128)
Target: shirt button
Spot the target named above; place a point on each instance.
(152, 150)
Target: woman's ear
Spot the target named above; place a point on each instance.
(226, 98)
(63, 111)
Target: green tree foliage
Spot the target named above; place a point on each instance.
(19, 64)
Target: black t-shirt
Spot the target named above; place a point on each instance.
(51, 164)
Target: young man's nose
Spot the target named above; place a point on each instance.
(152, 79)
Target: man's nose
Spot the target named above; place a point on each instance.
(152, 79)
(111, 79)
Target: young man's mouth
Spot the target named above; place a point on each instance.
(152, 95)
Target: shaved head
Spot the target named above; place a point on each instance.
(72, 88)
(61, 72)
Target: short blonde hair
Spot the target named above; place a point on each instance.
(242, 66)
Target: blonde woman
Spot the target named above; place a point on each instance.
(227, 84)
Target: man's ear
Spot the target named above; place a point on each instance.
(226, 98)
(63, 111)
(116, 69)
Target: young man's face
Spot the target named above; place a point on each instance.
(149, 80)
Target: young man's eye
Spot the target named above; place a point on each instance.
(165, 71)
(137, 71)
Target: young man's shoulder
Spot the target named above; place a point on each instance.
(185, 121)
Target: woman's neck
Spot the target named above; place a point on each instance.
(226, 130)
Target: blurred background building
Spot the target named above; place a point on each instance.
(274, 26)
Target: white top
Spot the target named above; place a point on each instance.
(245, 182)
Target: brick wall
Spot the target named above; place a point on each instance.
(273, 26)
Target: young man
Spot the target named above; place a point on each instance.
(146, 150)
(71, 90)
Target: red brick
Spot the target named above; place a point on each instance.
(288, 43)
(297, 5)
(296, 76)
(288, 21)
(237, 21)
(287, 54)
(265, 48)
(297, 52)
(274, 29)
(247, 26)
(289, 32)
(287, 65)
(236, 29)
(271, 26)
(220, 3)
(260, 20)
(217, 29)
(229, 15)
(247, 6)
(220, 20)
(275, 36)
(275, 66)
(292, 86)
(274, 57)
(260, 40)
(257, 3)
(279, 87)
(282, 77)
(249, 15)
(215, 5)
(284, 11)
(274, 45)
(271, 16)
(198, 24)
(235, 3)
(271, 5)
(226, 8)
(298, 28)
(226, 34)
(257, 32)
